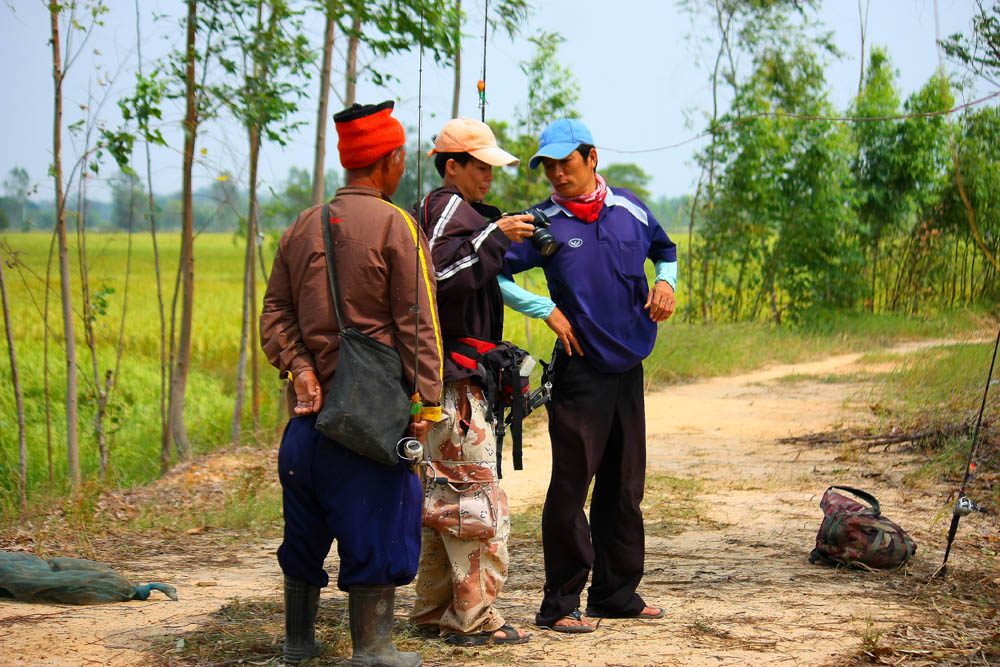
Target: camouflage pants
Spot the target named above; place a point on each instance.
(459, 578)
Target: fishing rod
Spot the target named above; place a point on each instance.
(481, 84)
(965, 505)
(410, 449)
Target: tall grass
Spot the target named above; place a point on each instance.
(941, 388)
(134, 418)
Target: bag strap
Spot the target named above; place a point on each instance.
(867, 497)
(331, 267)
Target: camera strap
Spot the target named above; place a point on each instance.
(498, 366)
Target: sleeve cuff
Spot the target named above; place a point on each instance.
(431, 413)
(666, 271)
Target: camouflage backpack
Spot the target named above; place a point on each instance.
(852, 533)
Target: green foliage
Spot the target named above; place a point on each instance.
(134, 440)
(409, 191)
(552, 93)
(879, 162)
(980, 52)
(293, 196)
(552, 90)
(129, 202)
(979, 136)
(780, 211)
(389, 27)
(266, 60)
(629, 176)
(17, 186)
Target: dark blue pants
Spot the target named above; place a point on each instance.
(329, 492)
(597, 426)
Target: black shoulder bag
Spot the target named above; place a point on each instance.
(367, 408)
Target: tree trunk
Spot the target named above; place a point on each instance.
(324, 109)
(89, 317)
(457, 88)
(69, 335)
(254, 306)
(863, 20)
(178, 379)
(164, 420)
(22, 443)
(874, 270)
(45, 361)
(241, 364)
(247, 331)
(734, 313)
(694, 208)
(351, 75)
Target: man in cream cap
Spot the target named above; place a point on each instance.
(463, 565)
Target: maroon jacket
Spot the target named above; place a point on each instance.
(468, 251)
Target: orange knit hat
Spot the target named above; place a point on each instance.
(367, 132)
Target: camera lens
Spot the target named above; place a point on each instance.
(544, 242)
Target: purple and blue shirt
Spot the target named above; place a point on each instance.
(597, 277)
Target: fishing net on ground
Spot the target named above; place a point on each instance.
(28, 578)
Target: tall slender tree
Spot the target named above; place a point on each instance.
(198, 105)
(330, 9)
(272, 58)
(22, 445)
(62, 59)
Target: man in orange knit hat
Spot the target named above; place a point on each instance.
(328, 491)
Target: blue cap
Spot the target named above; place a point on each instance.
(561, 138)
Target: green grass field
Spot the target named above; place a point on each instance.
(683, 351)
(134, 409)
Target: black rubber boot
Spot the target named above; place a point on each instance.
(301, 605)
(370, 609)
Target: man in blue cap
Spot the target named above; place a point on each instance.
(605, 316)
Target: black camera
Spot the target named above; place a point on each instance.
(542, 239)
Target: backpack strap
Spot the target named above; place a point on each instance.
(867, 497)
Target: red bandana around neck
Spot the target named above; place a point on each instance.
(588, 206)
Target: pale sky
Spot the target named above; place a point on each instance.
(636, 70)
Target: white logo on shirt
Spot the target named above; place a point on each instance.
(575, 243)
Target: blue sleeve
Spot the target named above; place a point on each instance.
(660, 247)
(666, 271)
(523, 301)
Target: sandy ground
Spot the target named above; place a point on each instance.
(737, 587)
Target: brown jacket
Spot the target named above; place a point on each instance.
(377, 277)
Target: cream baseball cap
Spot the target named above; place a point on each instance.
(466, 135)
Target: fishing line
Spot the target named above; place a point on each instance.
(415, 400)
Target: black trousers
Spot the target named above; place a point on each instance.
(597, 425)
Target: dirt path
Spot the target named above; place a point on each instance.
(737, 585)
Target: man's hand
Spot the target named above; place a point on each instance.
(516, 227)
(661, 301)
(419, 430)
(564, 330)
(308, 393)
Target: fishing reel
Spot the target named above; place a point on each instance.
(965, 506)
(410, 450)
